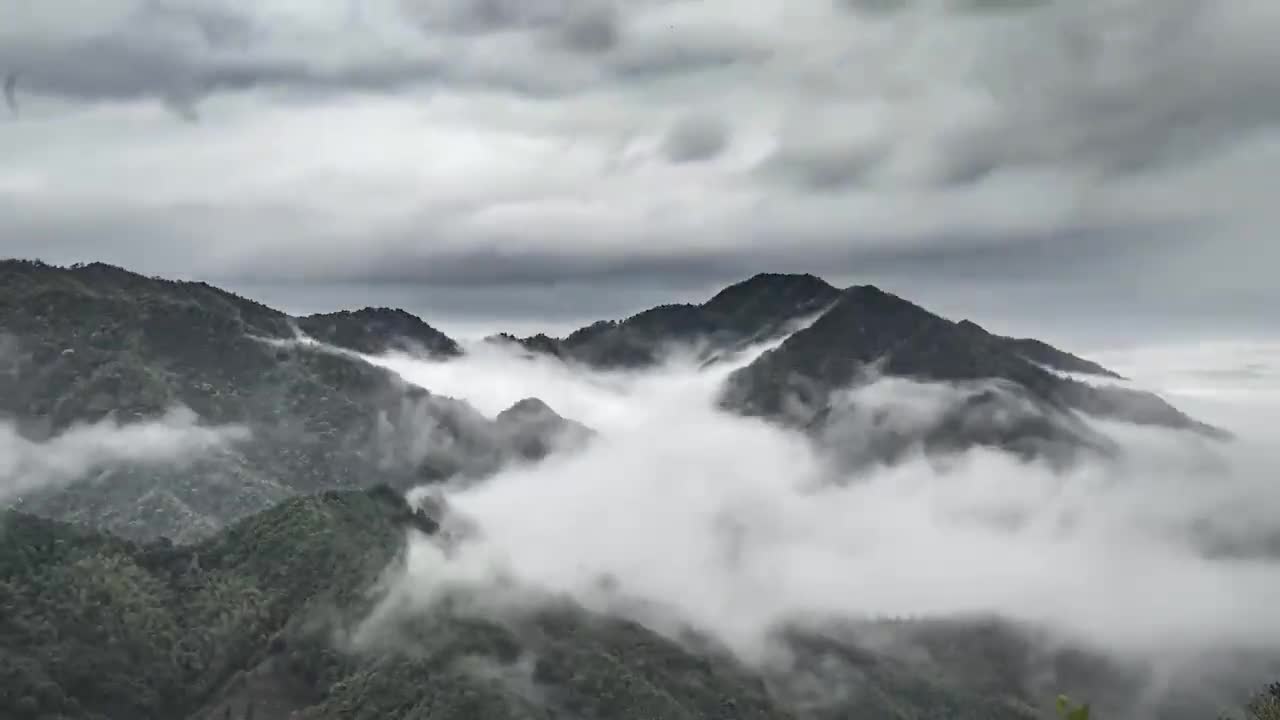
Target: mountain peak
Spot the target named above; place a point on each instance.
(528, 407)
(868, 328)
(534, 430)
(378, 330)
(875, 294)
(777, 285)
(763, 306)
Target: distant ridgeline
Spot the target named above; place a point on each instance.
(92, 342)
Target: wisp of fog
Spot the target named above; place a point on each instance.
(732, 525)
(28, 465)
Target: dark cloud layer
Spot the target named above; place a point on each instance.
(696, 138)
(495, 142)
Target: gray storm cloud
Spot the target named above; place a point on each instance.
(695, 138)
(535, 141)
(74, 454)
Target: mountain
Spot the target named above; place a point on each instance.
(760, 308)
(998, 391)
(257, 580)
(100, 627)
(374, 331)
(534, 430)
(96, 344)
(243, 624)
(93, 346)
(1017, 394)
(1041, 352)
(291, 614)
(250, 623)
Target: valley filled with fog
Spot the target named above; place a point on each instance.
(682, 516)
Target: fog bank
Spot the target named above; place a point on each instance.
(28, 465)
(733, 526)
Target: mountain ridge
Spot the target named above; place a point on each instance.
(758, 308)
(93, 341)
(232, 589)
(375, 331)
(872, 333)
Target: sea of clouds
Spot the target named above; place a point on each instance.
(733, 526)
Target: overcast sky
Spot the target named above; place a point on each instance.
(1104, 166)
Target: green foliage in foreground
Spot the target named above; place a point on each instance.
(1068, 710)
(257, 622)
(1265, 705)
(96, 627)
(251, 621)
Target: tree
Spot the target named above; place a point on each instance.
(1265, 705)
(1068, 710)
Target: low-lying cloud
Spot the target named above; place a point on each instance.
(28, 465)
(734, 526)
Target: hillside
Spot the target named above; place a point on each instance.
(374, 331)
(95, 343)
(1003, 392)
(760, 308)
(247, 624)
(242, 582)
(1018, 394)
(272, 619)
